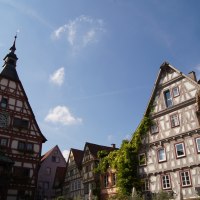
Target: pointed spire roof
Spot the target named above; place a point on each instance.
(9, 66)
(13, 48)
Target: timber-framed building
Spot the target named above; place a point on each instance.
(20, 136)
(170, 155)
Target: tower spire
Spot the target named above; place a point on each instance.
(13, 48)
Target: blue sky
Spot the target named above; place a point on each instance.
(88, 67)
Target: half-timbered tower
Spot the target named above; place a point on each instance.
(170, 156)
(20, 137)
(73, 184)
(91, 180)
(49, 164)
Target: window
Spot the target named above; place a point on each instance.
(21, 146)
(174, 120)
(175, 91)
(142, 159)
(79, 184)
(185, 178)
(145, 185)
(154, 128)
(72, 186)
(29, 147)
(21, 172)
(57, 159)
(180, 150)
(168, 99)
(3, 142)
(114, 179)
(71, 172)
(48, 170)
(198, 144)
(20, 123)
(86, 188)
(4, 102)
(105, 180)
(161, 155)
(87, 168)
(53, 158)
(166, 184)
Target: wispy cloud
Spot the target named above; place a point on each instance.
(65, 154)
(58, 76)
(62, 115)
(28, 11)
(81, 31)
(110, 138)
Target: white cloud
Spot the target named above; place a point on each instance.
(110, 138)
(65, 153)
(58, 76)
(81, 31)
(62, 115)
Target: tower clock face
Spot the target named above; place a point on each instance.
(3, 120)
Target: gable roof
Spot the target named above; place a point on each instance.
(47, 154)
(78, 156)
(162, 68)
(94, 148)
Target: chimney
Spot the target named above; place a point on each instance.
(192, 75)
(113, 146)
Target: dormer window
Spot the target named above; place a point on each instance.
(4, 102)
(168, 98)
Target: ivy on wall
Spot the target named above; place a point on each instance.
(125, 160)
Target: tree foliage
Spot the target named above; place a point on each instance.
(125, 160)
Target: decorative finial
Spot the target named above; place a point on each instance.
(13, 48)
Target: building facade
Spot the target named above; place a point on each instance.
(73, 184)
(91, 180)
(170, 155)
(49, 164)
(20, 136)
(108, 183)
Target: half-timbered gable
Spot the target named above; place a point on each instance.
(169, 158)
(49, 163)
(91, 180)
(20, 137)
(73, 185)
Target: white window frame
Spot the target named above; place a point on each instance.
(175, 91)
(3, 142)
(174, 119)
(145, 159)
(185, 178)
(146, 186)
(158, 153)
(198, 144)
(154, 128)
(170, 99)
(166, 182)
(183, 148)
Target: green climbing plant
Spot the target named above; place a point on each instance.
(125, 159)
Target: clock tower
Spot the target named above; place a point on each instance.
(20, 136)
